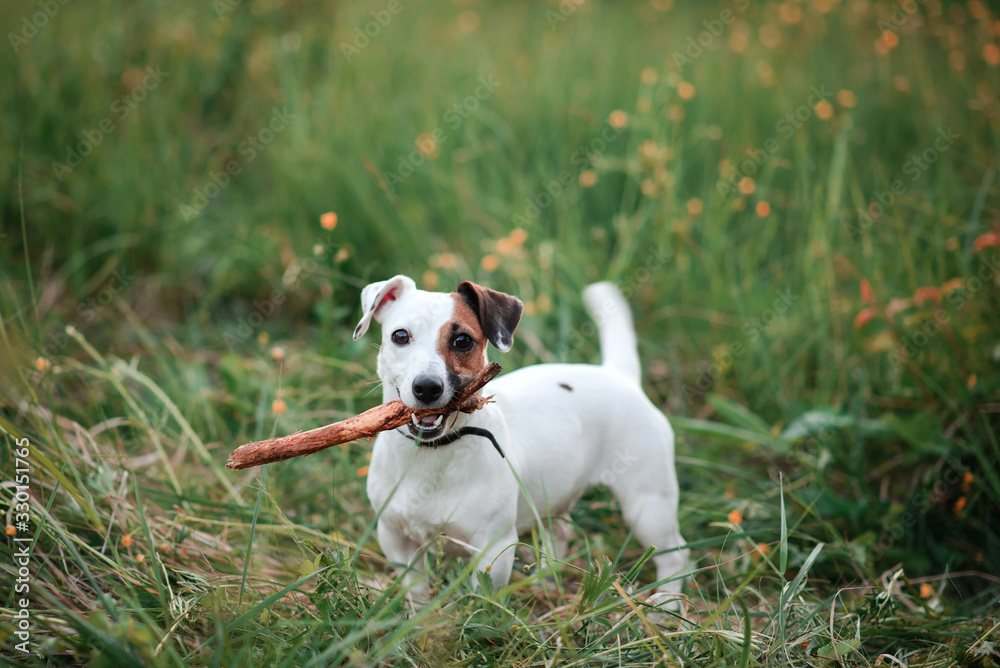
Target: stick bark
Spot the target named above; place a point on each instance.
(366, 425)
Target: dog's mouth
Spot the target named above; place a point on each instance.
(428, 427)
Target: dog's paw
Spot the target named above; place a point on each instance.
(666, 607)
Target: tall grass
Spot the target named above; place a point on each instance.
(832, 375)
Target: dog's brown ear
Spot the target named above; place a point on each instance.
(498, 313)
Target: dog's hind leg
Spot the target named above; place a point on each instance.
(653, 517)
(649, 494)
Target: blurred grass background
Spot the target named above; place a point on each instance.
(832, 375)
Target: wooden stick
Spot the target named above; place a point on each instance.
(366, 425)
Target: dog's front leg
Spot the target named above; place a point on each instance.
(405, 555)
(496, 557)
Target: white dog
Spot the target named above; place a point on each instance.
(562, 427)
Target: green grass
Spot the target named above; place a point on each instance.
(136, 339)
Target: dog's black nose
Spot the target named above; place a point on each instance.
(427, 389)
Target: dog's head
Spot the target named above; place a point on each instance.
(433, 343)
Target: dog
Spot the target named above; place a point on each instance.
(561, 428)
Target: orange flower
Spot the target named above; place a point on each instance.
(431, 280)
(427, 145)
(925, 294)
(328, 220)
(444, 261)
(518, 236)
(746, 186)
(847, 98)
(277, 353)
(959, 505)
(618, 119)
(363, 471)
(864, 316)
(926, 591)
(587, 178)
(278, 406)
(42, 364)
(991, 54)
(866, 292)
(685, 90)
(10, 530)
(126, 541)
(763, 549)
(468, 21)
(790, 13)
(505, 246)
(951, 285)
(986, 240)
(735, 517)
(763, 209)
(824, 110)
(490, 262)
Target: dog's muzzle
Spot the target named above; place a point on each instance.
(429, 432)
(428, 427)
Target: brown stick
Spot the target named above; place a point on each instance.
(366, 425)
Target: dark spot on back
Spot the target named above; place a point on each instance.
(566, 387)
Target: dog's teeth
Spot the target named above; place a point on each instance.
(428, 422)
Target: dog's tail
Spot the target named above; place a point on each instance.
(610, 311)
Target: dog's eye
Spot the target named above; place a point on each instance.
(462, 343)
(400, 337)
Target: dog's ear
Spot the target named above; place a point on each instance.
(498, 313)
(375, 296)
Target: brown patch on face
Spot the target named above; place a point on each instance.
(464, 320)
